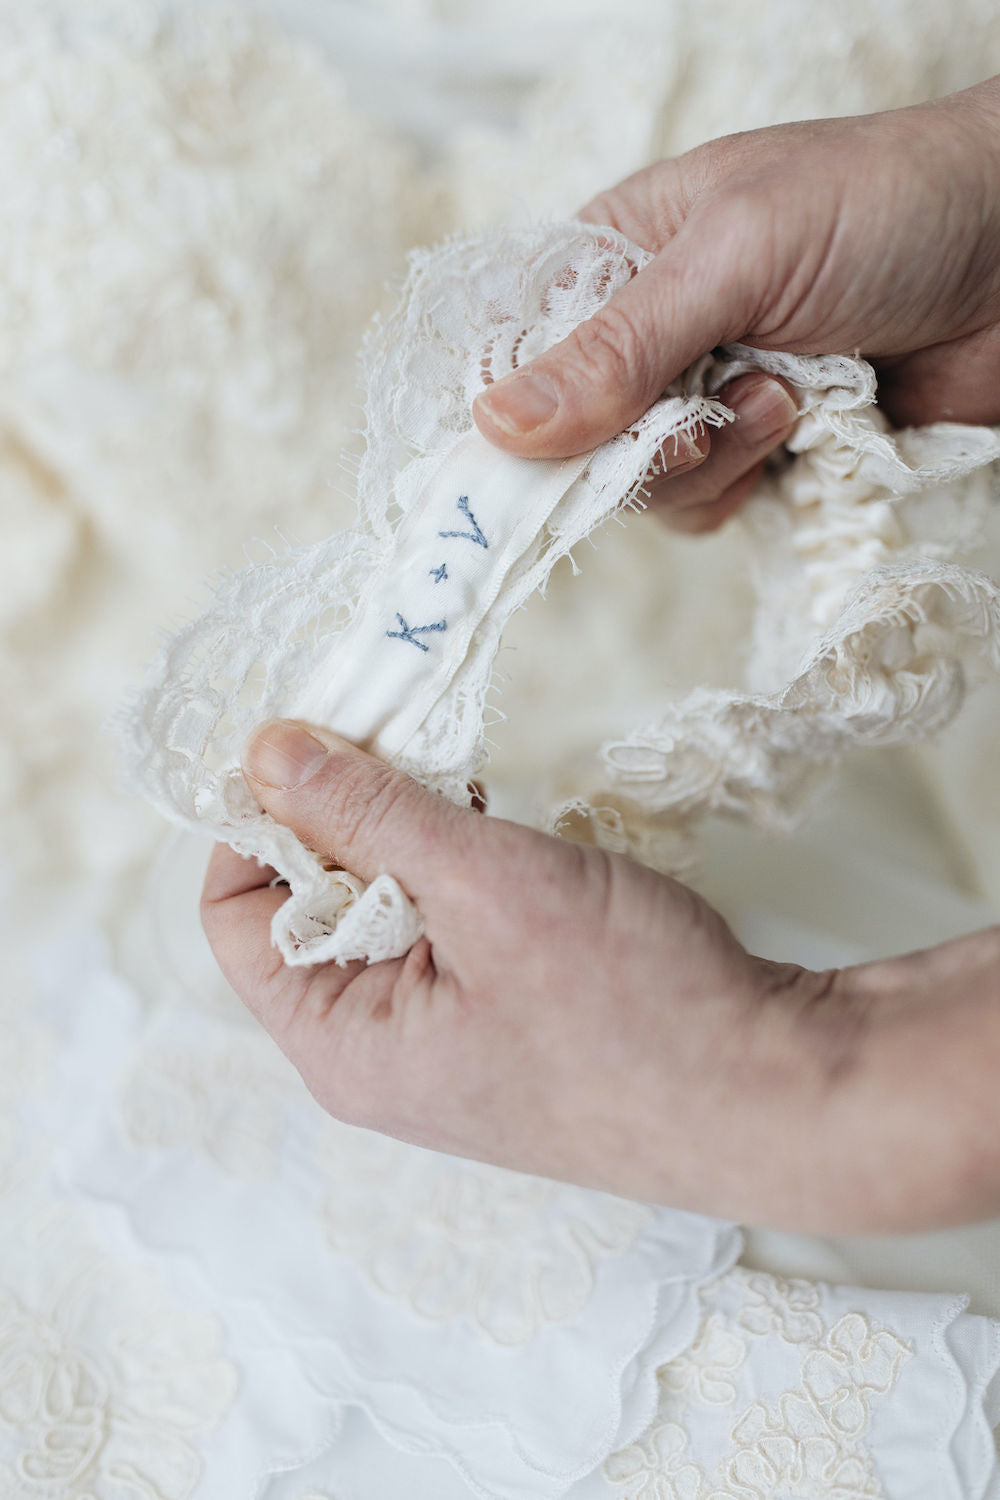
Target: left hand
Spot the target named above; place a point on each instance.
(568, 1011)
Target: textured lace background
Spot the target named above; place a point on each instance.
(200, 1294)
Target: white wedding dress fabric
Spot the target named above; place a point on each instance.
(207, 1287)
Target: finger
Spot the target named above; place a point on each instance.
(766, 412)
(955, 382)
(599, 380)
(649, 206)
(354, 808)
(238, 904)
(676, 456)
(696, 519)
(230, 874)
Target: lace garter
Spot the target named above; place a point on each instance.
(388, 632)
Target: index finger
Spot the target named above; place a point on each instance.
(238, 902)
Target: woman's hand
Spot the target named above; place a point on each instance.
(571, 1013)
(879, 234)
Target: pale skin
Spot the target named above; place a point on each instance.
(569, 1012)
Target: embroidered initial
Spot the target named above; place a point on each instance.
(410, 632)
(475, 535)
(438, 573)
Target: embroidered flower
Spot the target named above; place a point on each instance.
(228, 1103)
(809, 1441)
(658, 1467)
(455, 1239)
(775, 1304)
(104, 1378)
(705, 1371)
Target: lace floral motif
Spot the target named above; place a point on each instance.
(507, 1253)
(776, 1305)
(453, 1239)
(809, 1441)
(104, 1379)
(705, 1372)
(658, 1468)
(811, 1437)
(230, 1104)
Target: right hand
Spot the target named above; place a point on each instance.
(878, 234)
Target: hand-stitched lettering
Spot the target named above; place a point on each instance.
(410, 632)
(438, 573)
(475, 535)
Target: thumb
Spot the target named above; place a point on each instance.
(609, 370)
(345, 804)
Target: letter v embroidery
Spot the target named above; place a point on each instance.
(475, 535)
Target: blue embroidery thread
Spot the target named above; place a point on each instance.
(475, 535)
(410, 632)
(438, 573)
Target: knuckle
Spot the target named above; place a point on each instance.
(360, 798)
(610, 348)
(642, 205)
(720, 160)
(602, 209)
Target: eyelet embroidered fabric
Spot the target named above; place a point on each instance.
(388, 632)
(790, 1387)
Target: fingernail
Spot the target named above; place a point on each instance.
(763, 409)
(282, 754)
(519, 403)
(686, 454)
